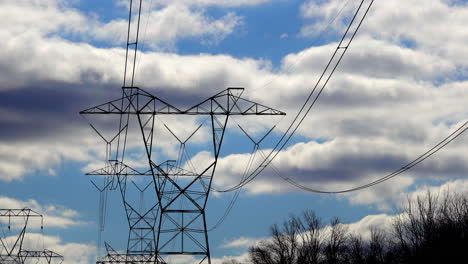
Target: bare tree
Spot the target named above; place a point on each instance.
(356, 249)
(310, 237)
(377, 247)
(430, 229)
(335, 247)
(283, 246)
(297, 240)
(433, 229)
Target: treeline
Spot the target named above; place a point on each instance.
(431, 229)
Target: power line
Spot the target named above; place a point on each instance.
(273, 154)
(327, 73)
(247, 169)
(244, 177)
(236, 195)
(285, 137)
(317, 39)
(447, 140)
(144, 34)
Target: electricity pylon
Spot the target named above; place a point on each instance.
(182, 194)
(15, 253)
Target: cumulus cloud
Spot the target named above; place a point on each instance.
(48, 72)
(413, 90)
(60, 18)
(223, 3)
(366, 57)
(341, 164)
(400, 89)
(402, 23)
(182, 20)
(54, 215)
(389, 101)
(241, 242)
(326, 15)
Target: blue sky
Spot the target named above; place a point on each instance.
(400, 89)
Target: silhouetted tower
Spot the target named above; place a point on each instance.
(14, 253)
(181, 192)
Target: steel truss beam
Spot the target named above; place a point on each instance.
(114, 257)
(129, 259)
(136, 101)
(48, 255)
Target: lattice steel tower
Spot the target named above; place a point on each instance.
(15, 253)
(181, 193)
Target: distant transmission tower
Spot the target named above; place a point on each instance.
(141, 220)
(12, 251)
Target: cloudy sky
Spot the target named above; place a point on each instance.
(401, 88)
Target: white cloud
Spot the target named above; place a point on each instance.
(186, 259)
(244, 258)
(388, 102)
(24, 157)
(342, 163)
(242, 242)
(364, 226)
(44, 17)
(404, 23)
(396, 94)
(223, 3)
(391, 197)
(374, 58)
(53, 215)
(59, 18)
(326, 15)
(183, 21)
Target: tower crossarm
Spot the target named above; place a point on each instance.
(45, 254)
(116, 167)
(24, 212)
(136, 101)
(230, 102)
